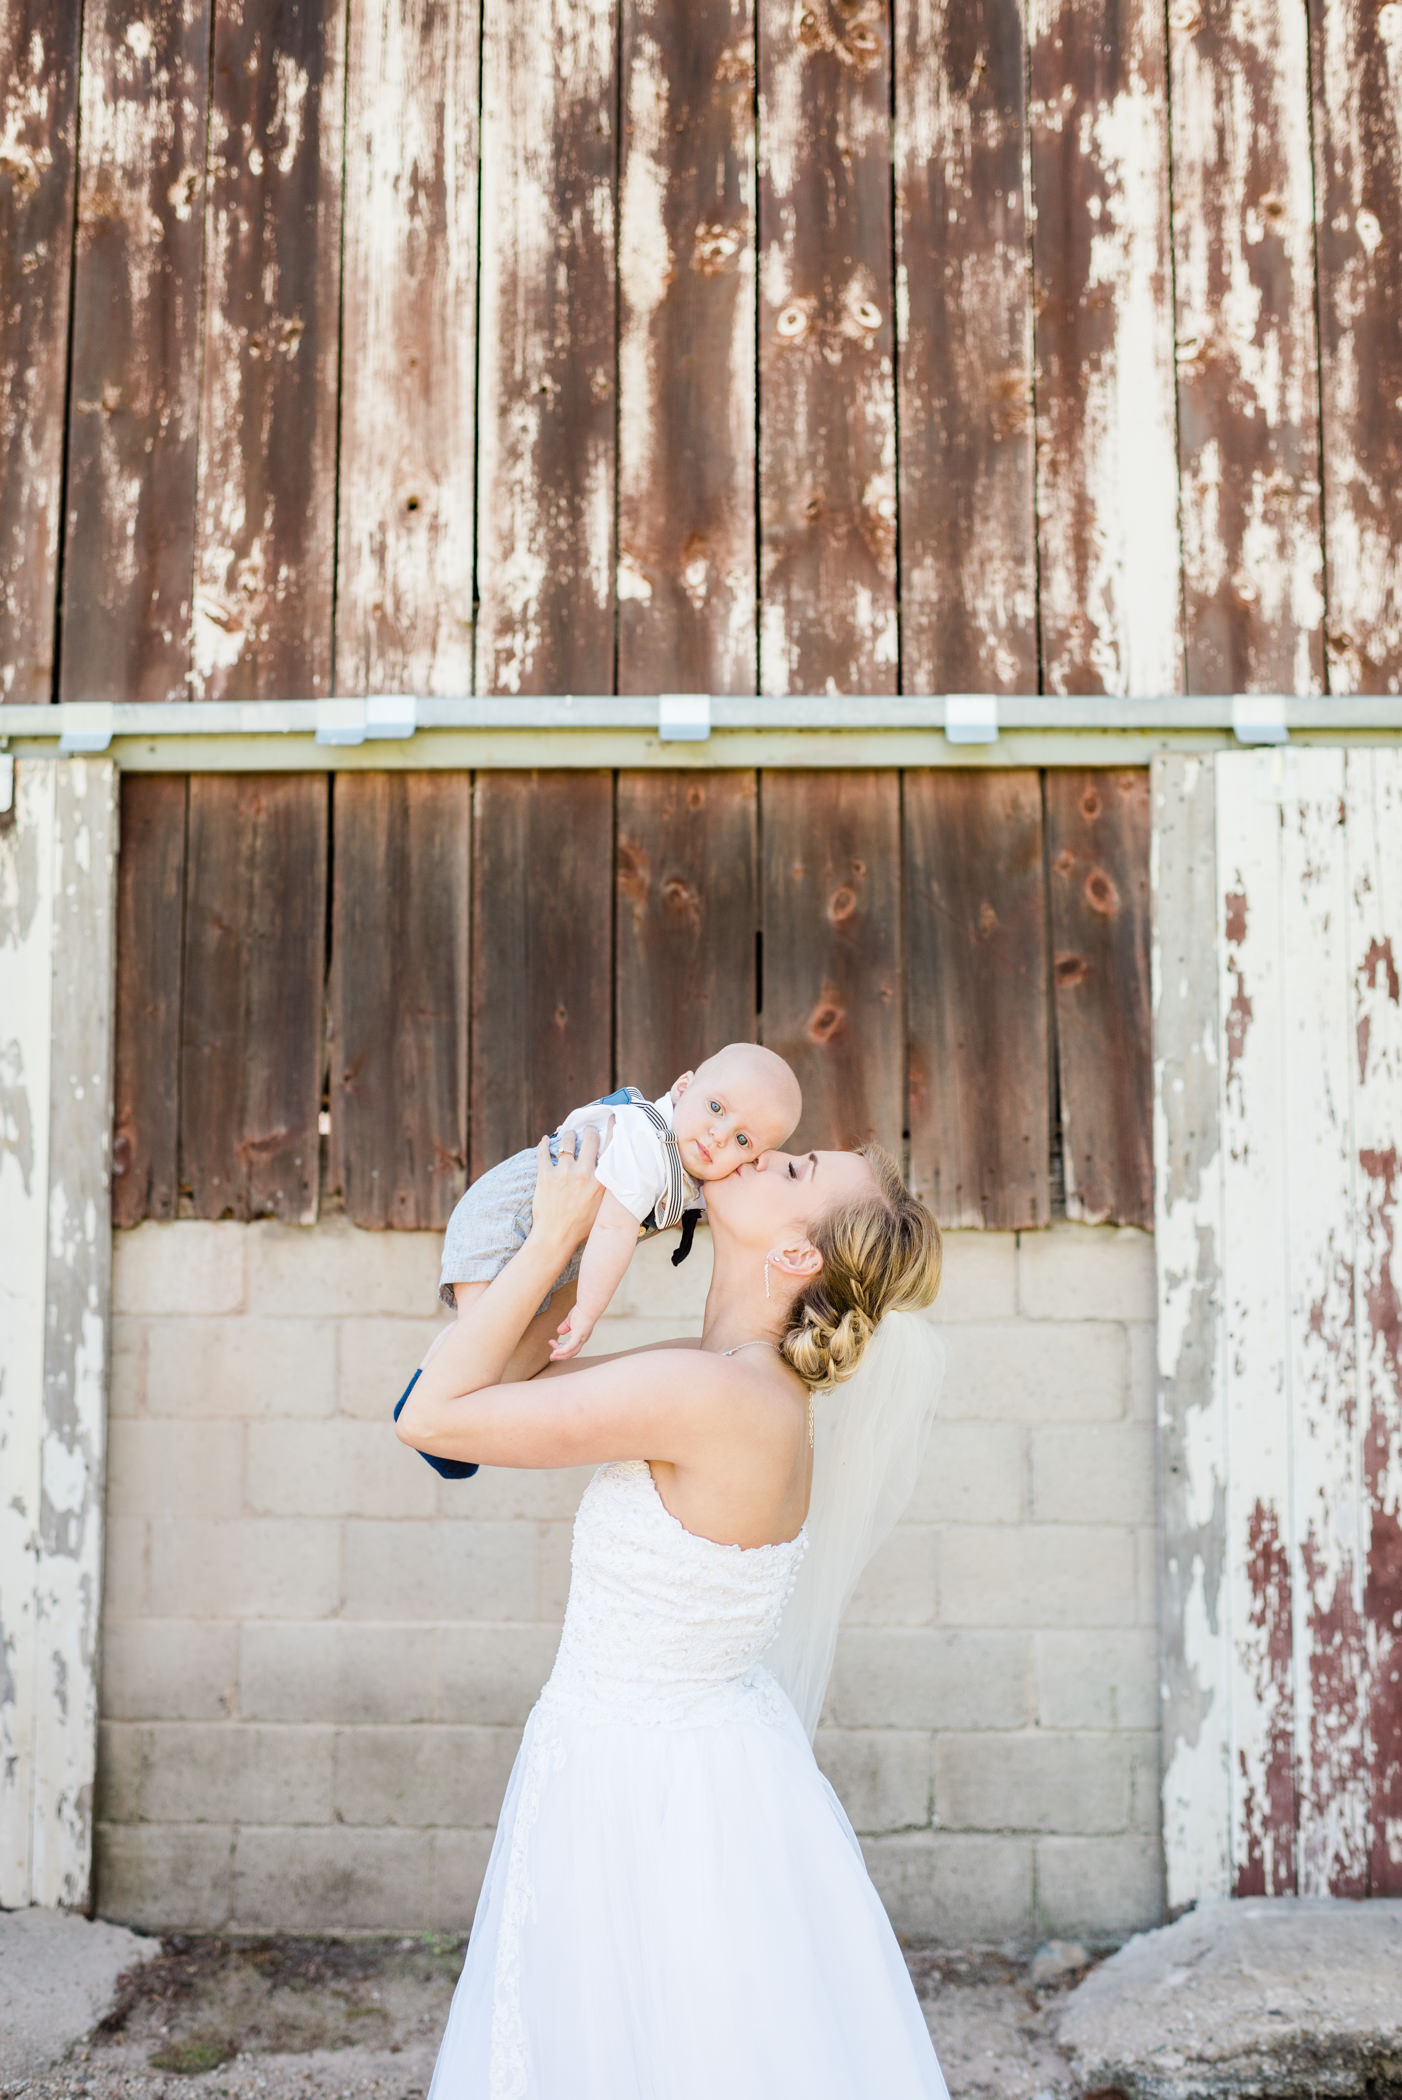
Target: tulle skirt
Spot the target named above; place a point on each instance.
(680, 1912)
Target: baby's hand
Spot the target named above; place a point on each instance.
(571, 1334)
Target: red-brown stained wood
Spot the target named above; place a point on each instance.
(688, 910)
(399, 996)
(134, 402)
(827, 467)
(1381, 1186)
(546, 399)
(686, 267)
(38, 112)
(968, 552)
(831, 980)
(976, 996)
(252, 1043)
(150, 959)
(542, 907)
(265, 530)
(1107, 480)
(1266, 1864)
(1098, 851)
(409, 352)
(1358, 187)
(1249, 432)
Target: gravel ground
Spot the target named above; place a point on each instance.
(290, 2019)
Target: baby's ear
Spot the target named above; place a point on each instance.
(679, 1086)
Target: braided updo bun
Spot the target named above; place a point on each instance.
(880, 1254)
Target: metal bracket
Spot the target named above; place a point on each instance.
(1259, 718)
(683, 718)
(84, 726)
(971, 718)
(391, 715)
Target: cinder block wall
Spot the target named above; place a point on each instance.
(317, 1657)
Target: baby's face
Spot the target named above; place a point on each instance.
(732, 1108)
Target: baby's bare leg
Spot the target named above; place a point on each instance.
(532, 1352)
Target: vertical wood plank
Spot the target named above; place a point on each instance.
(1107, 480)
(399, 996)
(1098, 848)
(827, 396)
(26, 969)
(1255, 1269)
(686, 352)
(1243, 246)
(1191, 1336)
(831, 980)
(1374, 805)
(976, 993)
(150, 958)
(252, 1047)
(38, 115)
(688, 911)
(133, 408)
(77, 1307)
(964, 313)
(542, 892)
(1358, 163)
(409, 352)
(1330, 1658)
(546, 398)
(266, 510)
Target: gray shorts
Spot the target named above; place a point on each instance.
(490, 1224)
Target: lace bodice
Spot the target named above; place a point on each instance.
(662, 1625)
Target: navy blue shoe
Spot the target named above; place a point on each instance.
(450, 1468)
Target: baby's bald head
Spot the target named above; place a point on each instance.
(742, 1101)
(763, 1081)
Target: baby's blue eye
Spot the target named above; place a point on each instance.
(715, 1108)
(742, 1139)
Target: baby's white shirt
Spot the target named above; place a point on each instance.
(633, 1164)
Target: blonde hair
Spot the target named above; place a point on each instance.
(881, 1254)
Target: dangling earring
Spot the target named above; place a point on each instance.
(766, 1279)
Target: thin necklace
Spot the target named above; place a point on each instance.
(760, 1343)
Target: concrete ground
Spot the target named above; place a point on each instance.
(295, 2019)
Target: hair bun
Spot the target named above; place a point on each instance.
(879, 1252)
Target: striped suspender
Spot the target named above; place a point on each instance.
(669, 1209)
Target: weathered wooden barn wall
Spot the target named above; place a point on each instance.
(954, 962)
(727, 347)
(1279, 1127)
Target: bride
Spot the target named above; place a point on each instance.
(676, 1907)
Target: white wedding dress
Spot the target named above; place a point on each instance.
(676, 1907)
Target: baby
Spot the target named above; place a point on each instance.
(654, 1158)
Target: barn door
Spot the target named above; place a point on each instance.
(1278, 1131)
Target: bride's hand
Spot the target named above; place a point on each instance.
(567, 1196)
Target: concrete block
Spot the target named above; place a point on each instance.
(118, 1783)
(980, 1277)
(1036, 1371)
(898, 1585)
(333, 1671)
(880, 1775)
(1147, 1574)
(126, 1567)
(168, 1669)
(1033, 1575)
(243, 1368)
(459, 1868)
(655, 1290)
(336, 1468)
(972, 1474)
(465, 1570)
(160, 1879)
(1143, 1400)
(126, 1387)
(952, 1890)
(916, 1677)
(248, 1568)
(178, 1469)
(423, 1778)
(620, 1331)
(543, 1495)
(188, 1266)
(229, 1772)
(1103, 1474)
(1106, 1679)
(1145, 1784)
(553, 1544)
(493, 1674)
(1035, 1781)
(333, 1880)
(376, 1359)
(1098, 1889)
(334, 1270)
(1086, 1272)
